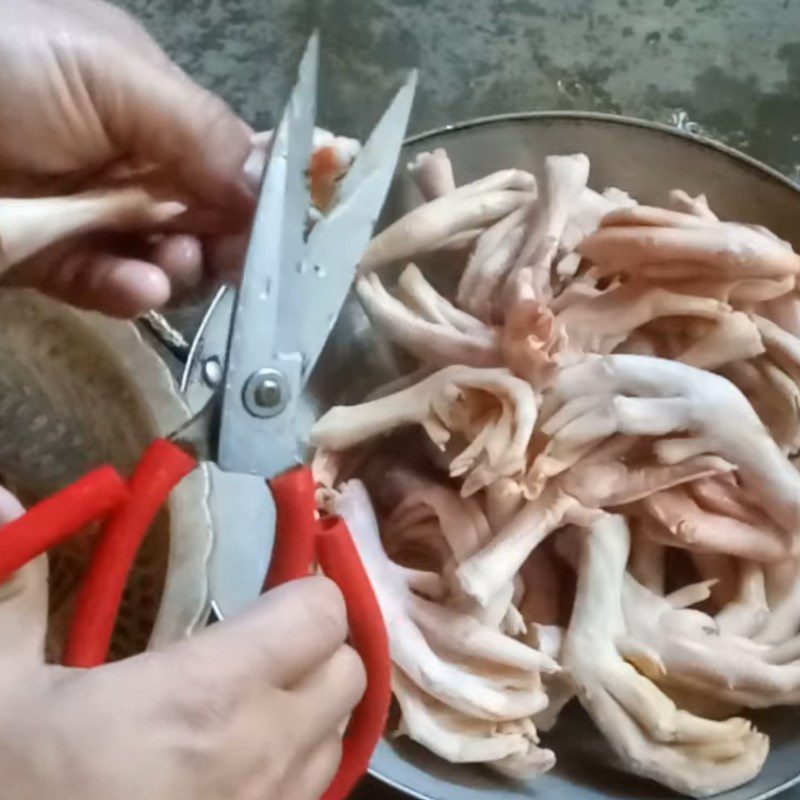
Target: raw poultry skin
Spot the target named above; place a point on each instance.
(610, 408)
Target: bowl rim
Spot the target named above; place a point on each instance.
(627, 121)
(603, 117)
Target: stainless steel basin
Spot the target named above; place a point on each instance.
(646, 160)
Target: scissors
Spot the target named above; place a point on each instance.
(296, 278)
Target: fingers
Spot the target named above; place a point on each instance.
(115, 285)
(23, 616)
(165, 118)
(127, 281)
(331, 692)
(253, 705)
(284, 636)
(180, 256)
(23, 602)
(112, 21)
(310, 780)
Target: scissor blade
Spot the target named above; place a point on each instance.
(383, 146)
(246, 443)
(338, 240)
(302, 110)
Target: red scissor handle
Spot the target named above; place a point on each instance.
(298, 534)
(340, 561)
(295, 527)
(60, 516)
(100, 493)
(161, 468)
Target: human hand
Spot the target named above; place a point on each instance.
(249, 709)
(88, 98)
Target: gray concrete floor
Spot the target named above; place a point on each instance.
(727, 68)
(731, 67)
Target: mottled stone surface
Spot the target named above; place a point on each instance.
(732, 66)
(729, 68)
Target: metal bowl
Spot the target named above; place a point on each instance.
(642, 158)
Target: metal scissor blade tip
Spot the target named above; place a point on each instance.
(310, 60)
(303, 101)
(296, 128)
(339, 239)
(301, 110)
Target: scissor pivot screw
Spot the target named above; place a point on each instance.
(266, 393)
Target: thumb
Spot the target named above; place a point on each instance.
(23, 603)
(284, 636)
(160, 116)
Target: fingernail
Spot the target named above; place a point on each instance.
(181, 257)
(138, 285)
(10, 507)
(253, 168)
(162, 212)
(261, 140)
